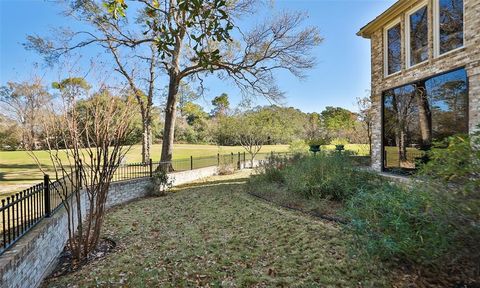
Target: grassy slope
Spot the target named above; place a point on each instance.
(18, 167)
(214, 234)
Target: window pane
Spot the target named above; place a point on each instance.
(449, 104)
(419, 36)
(401, 136)
(418, 114)
(394, 40)
(451, 24)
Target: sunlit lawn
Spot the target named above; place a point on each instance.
(18, 168)
(213, 234)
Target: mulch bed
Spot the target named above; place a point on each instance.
(65, 264)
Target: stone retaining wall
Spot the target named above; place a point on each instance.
(34, 256)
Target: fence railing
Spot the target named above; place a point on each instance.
(20, 212)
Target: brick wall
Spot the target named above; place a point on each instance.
(467, 57)
(34, 256)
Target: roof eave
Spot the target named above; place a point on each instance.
(396, 9)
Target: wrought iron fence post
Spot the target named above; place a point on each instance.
(46, 193)
(191, 162)
(244, 159)
(239, 163)
(79, 175)
(150, 163)
(218, 159)
(231, 157)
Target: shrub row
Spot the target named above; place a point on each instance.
(434, 221)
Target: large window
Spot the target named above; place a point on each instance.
(449, 25)
(418, 114)
(393, 49)
(418, 36)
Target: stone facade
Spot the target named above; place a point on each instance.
(467, 57)
(34, 256)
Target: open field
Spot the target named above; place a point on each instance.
(18, 170)
(213, 234)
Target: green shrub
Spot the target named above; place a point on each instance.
(331, 177)
(455, 160)
(271, 170)
(328, 175)
(408, 224)
(298, 147)
(160, 184)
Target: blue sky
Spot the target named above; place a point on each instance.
(343, 59)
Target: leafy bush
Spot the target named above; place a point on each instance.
(455, 160)
(271, 170)
(161, 182)
(298, 147)
(331, 176)
(409, 224)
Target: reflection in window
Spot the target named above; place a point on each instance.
(418, 114)
(419, 36)
(449, 104)
(394, 42)
(450, 24)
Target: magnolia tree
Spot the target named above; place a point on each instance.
(85, 149)
(193, 39)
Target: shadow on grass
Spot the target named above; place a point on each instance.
(21, 173)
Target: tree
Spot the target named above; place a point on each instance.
(337, 118)
(136, 61)
(366, 115)
(193, 112)
(85, 148)
(193, 39)
(251, 130)
(10, 134)
(24, 103)
(221, 104)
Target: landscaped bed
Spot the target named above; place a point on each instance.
(214, 234)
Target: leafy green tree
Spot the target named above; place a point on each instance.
(193, 113)
(193, 39)
(221, 104)
(337, 118)
(251, 130)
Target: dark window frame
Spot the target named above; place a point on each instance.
(426, 78)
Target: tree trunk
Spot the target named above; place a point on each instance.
(424, 116)
(169, 129)
(146, 139)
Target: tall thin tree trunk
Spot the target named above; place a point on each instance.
(424, 115)
(146, 139)
(169, 129)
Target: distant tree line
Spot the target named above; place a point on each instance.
(23, 104)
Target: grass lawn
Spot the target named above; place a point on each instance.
(213, 234)
(18, 170)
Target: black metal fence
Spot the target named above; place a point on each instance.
(20, 212)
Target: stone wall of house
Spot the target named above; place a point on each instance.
(467, 57)
(34, 256)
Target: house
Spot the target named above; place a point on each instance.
(425, 77)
